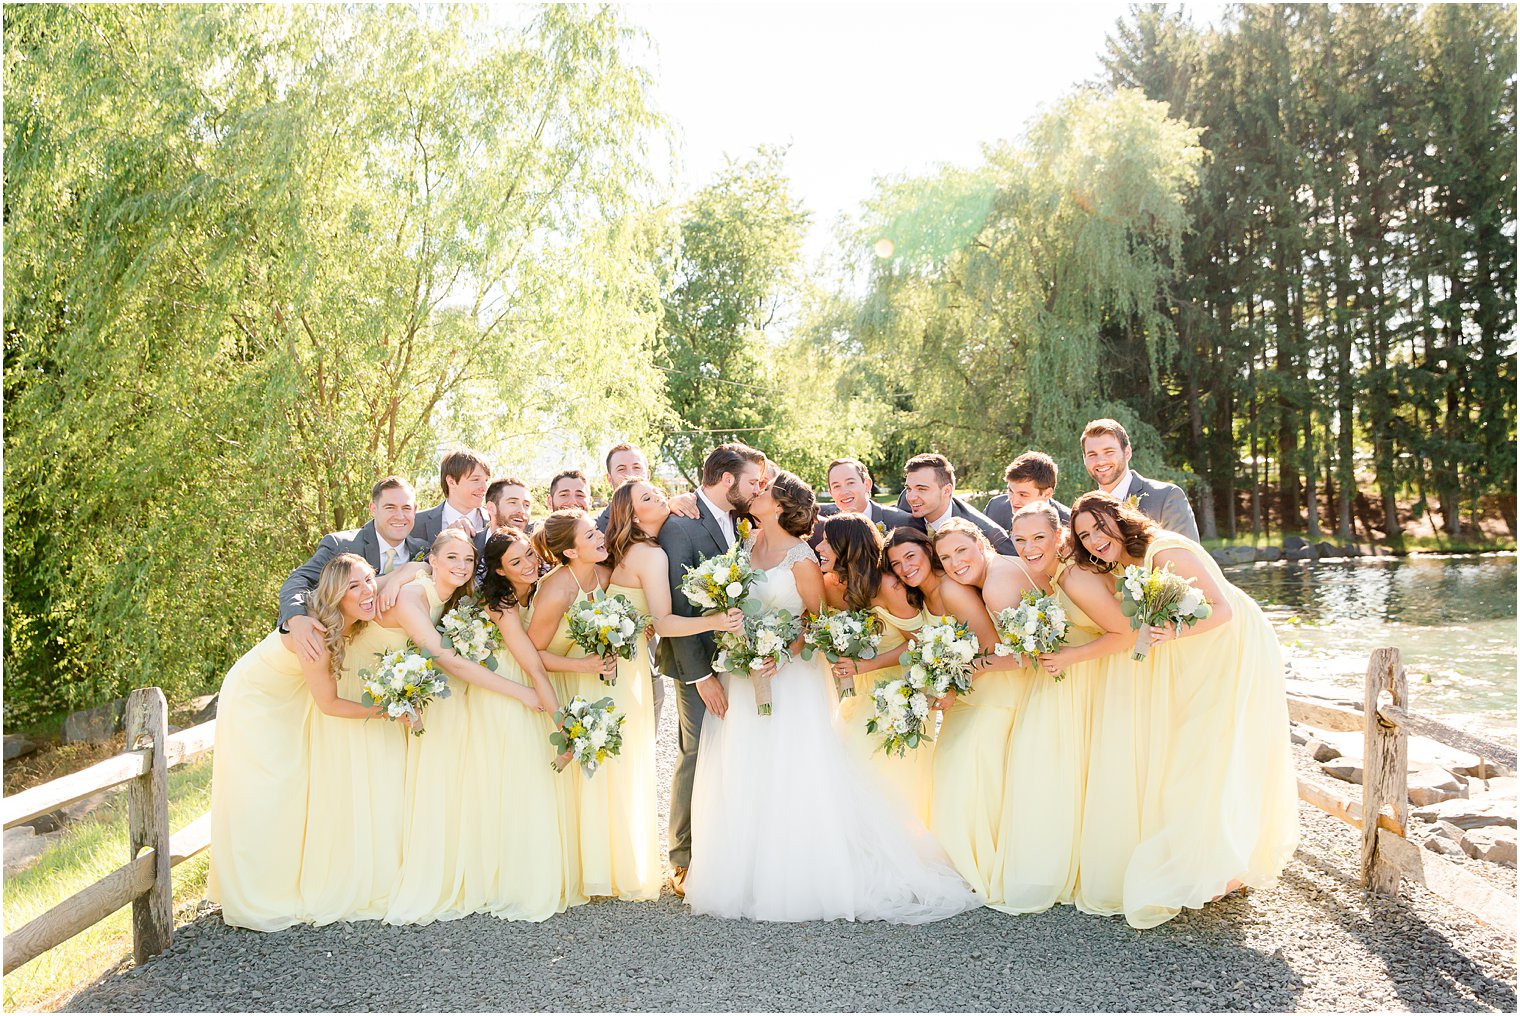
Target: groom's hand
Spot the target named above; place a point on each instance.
(304, 637)
(711, 690)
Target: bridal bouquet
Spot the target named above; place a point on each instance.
(471, 634)
(607, 626)
(722, 581)
(402, 683)
(1153, 597)
(1037, 625)
(767, 637)
(842, 635)
(586, 732)
(938, 660)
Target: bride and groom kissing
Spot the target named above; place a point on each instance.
(775, 817)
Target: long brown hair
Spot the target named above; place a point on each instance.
(467, 588)
(622, 525)
(907, 534)
(498, 591)
(1112, 516)
(857, 547)
(325, 607)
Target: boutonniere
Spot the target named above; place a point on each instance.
(881, 527)
(743, 528)
(1133, 501)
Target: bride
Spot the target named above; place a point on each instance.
(787, 824)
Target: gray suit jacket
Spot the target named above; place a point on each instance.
(687, 542)
(889, 518)
(1165, 502)
(362, 541)
(1001, 512)
(959, 509)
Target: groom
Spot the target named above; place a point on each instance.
(731, 477)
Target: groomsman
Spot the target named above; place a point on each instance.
(464, 475)
(929, 493)
(569, 489)
(1031, 477)
(732, 476)
(509, 503)
(1106, 453)
(850, 486)
(624, 463)
(386, 541)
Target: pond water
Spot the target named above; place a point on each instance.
(1451, 617)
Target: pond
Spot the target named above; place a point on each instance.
(1451, 617)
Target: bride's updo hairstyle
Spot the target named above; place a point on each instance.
(901, 536)
(799, 508)
(326, 606)
(858, 556)
(1128, 525)
(622, 525)
(556, 534)
(497, 591)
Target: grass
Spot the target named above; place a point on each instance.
(86, 852)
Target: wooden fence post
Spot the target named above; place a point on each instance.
(1385, 762)
(147, 718)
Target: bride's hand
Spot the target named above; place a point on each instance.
(768, 669)
(731, 620)
(846, 667)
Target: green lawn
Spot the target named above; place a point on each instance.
(87, 852)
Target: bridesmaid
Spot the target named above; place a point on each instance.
(520, 855)
(857, 577)
(1218, 807)
(431, 882)
(260, 772)
(970, 758)
(1048, 751)
(618, 808)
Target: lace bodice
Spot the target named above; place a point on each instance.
(776, 587)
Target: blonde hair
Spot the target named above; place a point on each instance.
(326, 607)
(964, 528)
(451, 535)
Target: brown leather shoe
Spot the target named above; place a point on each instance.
(678, 881)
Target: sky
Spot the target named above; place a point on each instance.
(863, 90)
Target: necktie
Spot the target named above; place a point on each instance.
(389, 562)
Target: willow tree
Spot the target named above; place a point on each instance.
(258, 256)
(1027, 295)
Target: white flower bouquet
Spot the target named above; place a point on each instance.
(768, 637)
(469, 632)
(1153, 597)
(402, 683)
(586, 732)
(1037, 625)
(721, 582)
(607, 626)
(938, 660)
(900, 710)
(842, 635)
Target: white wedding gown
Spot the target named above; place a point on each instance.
(789, 825)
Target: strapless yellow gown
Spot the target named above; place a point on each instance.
(519, 855)
(430, 884)
(1220, 799)
(1047, 777)
(355, 816)
(909, 779)
(618, 809)
(259, 780)
(970, 776)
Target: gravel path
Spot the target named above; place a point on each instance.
(1313, 943)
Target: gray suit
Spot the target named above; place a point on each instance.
(996, 534)
(1001, 512)
(884, 517)
(429, 524)
(1165, 502)
(362, 541)
(687, 542)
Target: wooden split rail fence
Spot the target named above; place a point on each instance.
(143, 881)
(1388, 857)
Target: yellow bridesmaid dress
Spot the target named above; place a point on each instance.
(970, 775)
(355, 816)
(909, 779)
(1220, 800)
(520, 858)
(618, 809)
(259, 776)
(430, 885)
(1047, 776)
(566, 683)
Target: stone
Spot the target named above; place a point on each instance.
(1470, 814)
(22, 847)
(16, 746)
(1321, 751)
(205, 707)
(1348, 769)
(1483, 768)
(1325, 549)
(1431, 786)
(1304, 553)
(1425, 753)
(1491, 843)
(1296, 735)
(96, 724)
(1502, 787)
(1269, 554)
(1291, 543)
(1234, 555)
